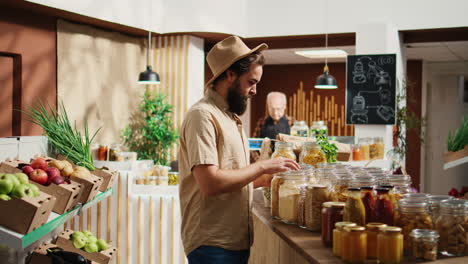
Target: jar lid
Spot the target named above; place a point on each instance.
(439, 198)
(391, 229)
(333, 204)
(316, 186)
(310, 144)
(354, 228)
(416, 195)
(455, 204)
(424, 233)
(283, 144)
(354, 189)
(380, 189)
(388, 186)
(341, 225)
(367, 188)
(375, 226)
(412, 203)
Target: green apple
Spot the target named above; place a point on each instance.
(91, 248)
(35, 190)
(5, 197)
(79, 241)
(77, 234)
(23, 178)
(12, 178)
(87, 233)
(102, 245)
(92, 239)
(21, 191)
(6, 186)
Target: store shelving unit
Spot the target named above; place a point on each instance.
(21, 242)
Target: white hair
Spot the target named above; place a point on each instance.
(273, 94)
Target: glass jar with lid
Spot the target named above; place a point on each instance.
(309, 172)
(452, 226)
(393, 199)
(383, 210)
(316, 195)
(356, 152)
(417, 197)
(318, 127)
(284, 150)
(376, 148)
(364, 148)
(424, 244)
(354, 245)
(299, 129)
(312, 154)
(301, 206)
(324, 176)
(434, 205)
(338, 238)
(401, 184)
(412, 215)
(363, 181)
(354, 210)
(289, 193)
(368, 199)
(114, 151)
(332, 213)
(372, 230)
(340, 185)
(276, 182)
(390, 245)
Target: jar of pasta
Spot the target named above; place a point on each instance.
(390, 245)
(332, 213)
(364, 148)
(311, 154)
(452, 226)
(354, 245)
(434, 205)
(354, 210)
(372, 230)
(412, 215)
(276, 182)
(338, 238)
(284, 150)
(340, 187)
(316, 195)
(289, 193)
(424, 244)
(376, 148)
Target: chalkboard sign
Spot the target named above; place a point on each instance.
(370, 89)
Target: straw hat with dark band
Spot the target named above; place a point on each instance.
(227, 52)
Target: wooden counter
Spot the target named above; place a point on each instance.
(279, 243)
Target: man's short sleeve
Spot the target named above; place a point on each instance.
(200, 138)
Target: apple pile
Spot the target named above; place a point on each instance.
(16, 185)
(88, 242)
(39, 172)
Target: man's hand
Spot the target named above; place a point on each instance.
(277, 165)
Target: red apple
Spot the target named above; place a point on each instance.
(27, 169)
(57, 180)
(39, 163)
(53, 172)
(39, 176)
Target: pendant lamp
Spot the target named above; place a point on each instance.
(326, 80)
(148, 76)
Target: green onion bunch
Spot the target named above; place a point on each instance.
(459, 138)
(67, 140)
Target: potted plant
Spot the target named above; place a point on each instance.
(151, 132)
(457, 143)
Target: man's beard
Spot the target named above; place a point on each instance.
(237, 103)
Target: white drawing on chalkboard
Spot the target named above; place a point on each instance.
(382, 78)
(358, 73)
(359, 111)
(385, 96)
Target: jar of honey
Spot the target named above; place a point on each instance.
(354, 245)
(337, 236)
(372, 232)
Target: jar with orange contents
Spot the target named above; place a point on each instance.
(354, 245)
(337, 236)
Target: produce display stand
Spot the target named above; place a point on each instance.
(23, 244)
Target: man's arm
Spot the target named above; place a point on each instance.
(214, 181)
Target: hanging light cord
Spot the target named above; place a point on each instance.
(326, 37)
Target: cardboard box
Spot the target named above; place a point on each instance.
(107, 176)
(10, 166)
(67, 195)
(343, 156)
(39, 255)
(26, 214)
(103, 257)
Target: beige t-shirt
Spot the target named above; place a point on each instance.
(211, 134)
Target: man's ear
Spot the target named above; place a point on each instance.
(231, 76)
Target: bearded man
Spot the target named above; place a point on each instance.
(216, 180)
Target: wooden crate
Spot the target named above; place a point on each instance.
(107, 176)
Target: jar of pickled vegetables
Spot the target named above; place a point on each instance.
(338, 238)
(376, 148)
(424, 244)
(383, 210)
(312, 154)
(368, 199)
(276, 182)
(284, 150)
(340, 186)
(364, 148)
(289, 193)
(332, 213)
(316, 195)
(452, 226)
(372, 230)
(354, 245)
(434, 205)
(391, 193)
(390, 245)
(412, 215)
(354, 210)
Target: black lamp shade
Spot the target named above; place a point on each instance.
(148, 76)
(326, 81)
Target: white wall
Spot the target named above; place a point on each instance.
(270, 17)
